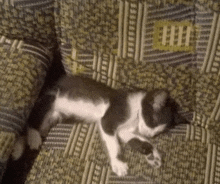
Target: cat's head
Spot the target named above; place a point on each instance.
(159, 113)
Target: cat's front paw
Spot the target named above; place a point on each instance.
(120, 168)
(34, 139)
(154, 159)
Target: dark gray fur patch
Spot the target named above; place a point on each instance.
(86, 88)
(167, 114)
(143, 147)
(116, 114)
(42, 106)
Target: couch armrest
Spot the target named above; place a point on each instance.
(23, 67)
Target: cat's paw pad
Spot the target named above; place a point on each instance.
(34, 139)
(120, 168)
(154, 159)
(18, 148)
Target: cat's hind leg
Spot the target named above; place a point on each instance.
(50, 120)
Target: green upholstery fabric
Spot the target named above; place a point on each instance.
(23, 64)
(23, 68)
(131, 44)
(77, 155)
(28, 20)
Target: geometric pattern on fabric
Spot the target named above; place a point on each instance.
(137, 32)
(96, 173)
(182, 161)
(131, 30)
(116, 42)
(207, 111)
(23, 69)
(7, 140)
(137, 39)
(83, 133)
(140, 36)
(82, 158)
(33, 3)
(196, 92)
(57, 170)
(58, 136)
(210, 53)
(100, 66)
(195, 133)
(88, 25)
(166, 31)
(213, 164)
(33, 20)
(178, 80)
(6, 144)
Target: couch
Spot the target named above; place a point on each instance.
(172, 44)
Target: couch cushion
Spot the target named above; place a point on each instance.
(75, 153)
(93, 35)
(28, 20)
(141, 44)
(88, 37)
(23, 67)
(144, 44)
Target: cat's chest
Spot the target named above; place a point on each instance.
(86, 109)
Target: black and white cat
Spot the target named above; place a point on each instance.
(130, 117)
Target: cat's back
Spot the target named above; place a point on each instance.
(82, 87)
(82, 97)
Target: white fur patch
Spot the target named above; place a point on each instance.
(134, 101)
(81, 108)
(147, 131)
(18, 148)
(159, 100)
(33, 139)
(125, 131)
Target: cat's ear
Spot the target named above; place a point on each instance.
(160, 98)
(178, 119)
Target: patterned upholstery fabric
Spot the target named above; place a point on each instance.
(131, 44)
(23, 67)
(28, 19)
(140, 44)
(23, 64)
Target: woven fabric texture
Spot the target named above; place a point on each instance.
(124, 44)
(28, 20)
(23, 68)
(140, 44)
(78, 156)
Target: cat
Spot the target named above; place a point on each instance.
(127, 116)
